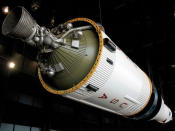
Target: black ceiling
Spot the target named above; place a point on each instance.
(143, 29)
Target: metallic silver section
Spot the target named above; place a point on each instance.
(77, 34)
(80, 33)
(59, 67)
(19, 24)
(51, 72)
(30, 42)
(75, 29)
(36, 39)
(47, 40)
(46, 69)
(75, 44)
(41, 35)
(69, 26)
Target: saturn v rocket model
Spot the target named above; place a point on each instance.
(79, 61)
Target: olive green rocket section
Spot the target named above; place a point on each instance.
(77, 62)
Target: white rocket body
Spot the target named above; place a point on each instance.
(124, 88)
(120, 86)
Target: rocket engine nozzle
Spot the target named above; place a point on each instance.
(19, 24)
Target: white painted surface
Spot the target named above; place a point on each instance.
(124, 88)
(164, 115)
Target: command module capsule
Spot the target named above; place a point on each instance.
(79, 61)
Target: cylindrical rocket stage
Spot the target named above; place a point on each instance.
(85, 65)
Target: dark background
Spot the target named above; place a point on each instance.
(143, 29)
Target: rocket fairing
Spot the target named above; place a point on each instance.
(79, 61)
